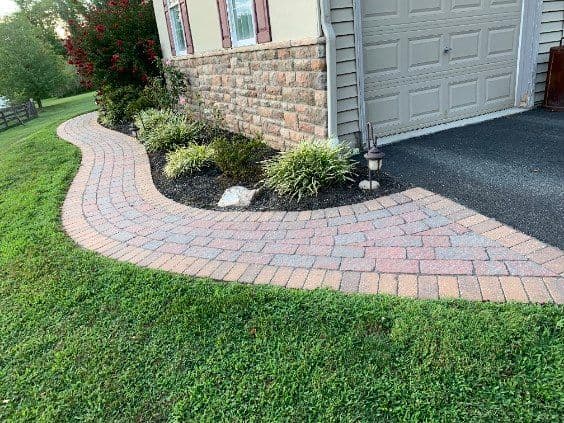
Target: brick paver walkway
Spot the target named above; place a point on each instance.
(413, 244)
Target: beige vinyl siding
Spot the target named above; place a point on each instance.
(290, 20)
(161, 26)
(342, 15)
(552, 28)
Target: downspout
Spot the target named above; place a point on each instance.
(331, 59)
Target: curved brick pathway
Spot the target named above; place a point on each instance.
(415, 244)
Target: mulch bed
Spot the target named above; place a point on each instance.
(204, 190)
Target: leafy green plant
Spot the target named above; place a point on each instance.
(169, 133)
(312, 165)
(206, 131)
(187, 160)
(169, 89)
(148, 120)
(240, 157)
(29, 68)
(120, 105)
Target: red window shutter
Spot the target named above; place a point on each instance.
(262, 16)
(169, 27)
(224, 23)
(187, 30)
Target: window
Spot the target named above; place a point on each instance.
(177, 27)
(242, 22)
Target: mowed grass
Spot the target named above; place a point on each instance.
(83, 338)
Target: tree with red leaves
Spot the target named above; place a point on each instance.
(115, 45)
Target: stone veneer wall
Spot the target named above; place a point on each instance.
(278, 90)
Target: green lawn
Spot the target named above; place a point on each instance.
(85, 338)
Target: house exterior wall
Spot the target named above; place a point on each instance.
(551, 32)
(294, 19)
(205, 26)
(348, 113)
(290, 20)
(162, 28)
(277, 89)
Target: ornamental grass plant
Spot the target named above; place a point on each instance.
(187, 160)
(311, 166)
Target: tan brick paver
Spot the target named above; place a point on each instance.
(414, 244)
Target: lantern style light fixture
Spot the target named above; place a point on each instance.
(134, 130)
(374, 156)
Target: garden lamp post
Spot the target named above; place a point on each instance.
(375, 156)
(134, 130)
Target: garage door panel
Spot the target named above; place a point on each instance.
(382, 9)
(420, 104)
(463, 96)
(424, 52)
(499, 88)
(383, 58)
(502, 40)
(429, 62)
(400, 55)
(424, 6)
(385, 109)
(373, 86)
(394, 12)
(460, 5)
(465, 46)
(425, 103)
(497, 4)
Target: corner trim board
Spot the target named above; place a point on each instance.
(359, 47)
(528, 53)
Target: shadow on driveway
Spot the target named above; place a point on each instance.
(511, 169)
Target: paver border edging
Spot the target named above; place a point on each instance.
(411, 244)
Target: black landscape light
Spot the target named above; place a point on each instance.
(375, 156)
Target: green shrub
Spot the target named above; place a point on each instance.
(240, 157)
(188, 160)
(206, 131)
(153, 123)
(120, 105)
(149, 119)
(168, 134)
(312, 165)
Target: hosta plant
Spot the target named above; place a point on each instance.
(311, 166)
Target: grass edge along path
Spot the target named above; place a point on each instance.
(85, 338)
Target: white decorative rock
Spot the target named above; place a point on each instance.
(366, 185)
(237, 197)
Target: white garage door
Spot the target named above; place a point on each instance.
(428, 62)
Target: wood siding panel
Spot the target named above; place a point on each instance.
(552, 31)
(342, 16)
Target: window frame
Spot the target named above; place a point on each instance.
(171, 5)
(235, 42)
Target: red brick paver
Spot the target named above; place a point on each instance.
(415, 244)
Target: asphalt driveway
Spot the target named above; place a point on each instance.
(511, 169)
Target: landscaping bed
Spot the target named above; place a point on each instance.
(195, 160)
(204, 189)
(210, 160)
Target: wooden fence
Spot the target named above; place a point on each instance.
(17, 115)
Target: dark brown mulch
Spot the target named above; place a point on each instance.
(204, 190)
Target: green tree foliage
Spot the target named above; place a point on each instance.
(47, 15)
(29, 67)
